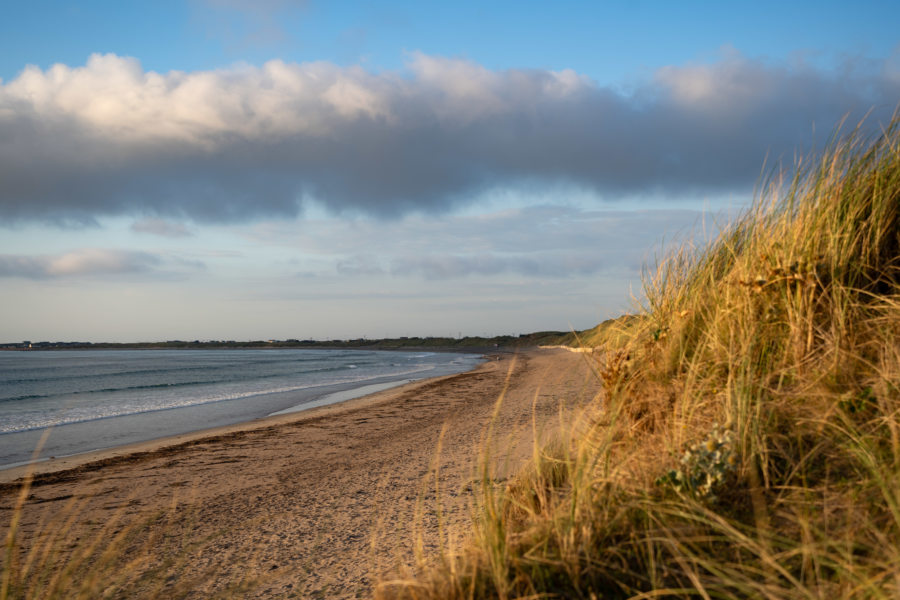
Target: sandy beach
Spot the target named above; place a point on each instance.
(317, 504)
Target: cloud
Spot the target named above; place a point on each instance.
(451, 266)
(359, 265)
(161, 228)
(538, 242)
(531, 229)
(86, 262)
(109, 138)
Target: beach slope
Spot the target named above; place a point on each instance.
(313, 504)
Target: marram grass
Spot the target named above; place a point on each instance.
(771, 359)
(747, 443)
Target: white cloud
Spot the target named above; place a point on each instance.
(109, 138)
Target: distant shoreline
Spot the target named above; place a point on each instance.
(325, 495)
(413, 344)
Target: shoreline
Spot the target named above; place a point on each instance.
(59, 465)
(281, 402)
(320, 503)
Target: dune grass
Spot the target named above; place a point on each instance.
(748, 441)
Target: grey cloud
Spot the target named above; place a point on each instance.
(450, 266)
(538, 242)
(90, 262)
(359, 265)
(250, 143)
(161, 228)
(533, 229)
(190, 264)
(23, 266)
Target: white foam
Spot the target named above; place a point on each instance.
(343, 395)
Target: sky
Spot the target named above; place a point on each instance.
(239, 170)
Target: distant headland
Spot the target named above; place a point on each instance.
(471, 343)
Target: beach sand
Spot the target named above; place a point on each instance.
(317, 504)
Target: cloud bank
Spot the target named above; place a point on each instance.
(91, 262)
(109, 138)
(531, 243)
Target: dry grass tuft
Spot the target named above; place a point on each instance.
(748, 444)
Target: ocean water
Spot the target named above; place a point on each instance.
(94, 399)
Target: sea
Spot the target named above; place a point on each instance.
(85, 400)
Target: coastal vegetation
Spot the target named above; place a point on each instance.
(474, 343)
(747, 443)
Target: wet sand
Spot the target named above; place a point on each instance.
(317, 504)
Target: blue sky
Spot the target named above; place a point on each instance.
(226, 169)
(611, 42)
